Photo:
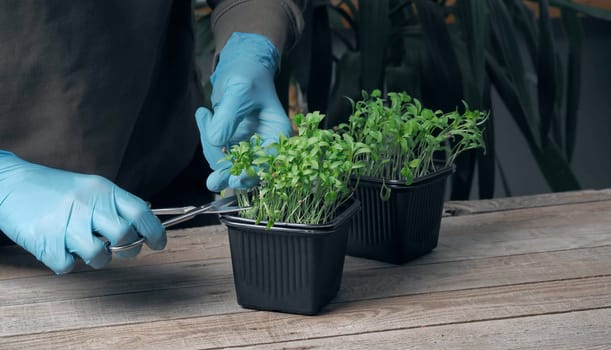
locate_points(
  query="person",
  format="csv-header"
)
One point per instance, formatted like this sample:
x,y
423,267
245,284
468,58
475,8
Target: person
x,y
99,111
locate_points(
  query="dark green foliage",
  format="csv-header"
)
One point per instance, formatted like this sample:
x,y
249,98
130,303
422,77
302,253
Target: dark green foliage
x,y
410,45
404,137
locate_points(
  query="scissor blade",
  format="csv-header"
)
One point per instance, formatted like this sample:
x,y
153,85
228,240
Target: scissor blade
x,y
217,207
184,214
222,206
186,217
219,203
172,211
226,210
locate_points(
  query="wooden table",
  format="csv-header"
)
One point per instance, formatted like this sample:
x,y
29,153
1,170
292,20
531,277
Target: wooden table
x,y
530,272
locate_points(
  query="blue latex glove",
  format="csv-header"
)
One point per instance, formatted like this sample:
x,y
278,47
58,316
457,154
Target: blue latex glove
x,y
245,102
52,214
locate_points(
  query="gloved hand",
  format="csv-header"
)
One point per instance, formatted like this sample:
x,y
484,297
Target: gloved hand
x,y
53,214
245,102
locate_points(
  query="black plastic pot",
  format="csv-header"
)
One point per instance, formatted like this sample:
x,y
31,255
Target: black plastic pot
x,y
405,226
293,268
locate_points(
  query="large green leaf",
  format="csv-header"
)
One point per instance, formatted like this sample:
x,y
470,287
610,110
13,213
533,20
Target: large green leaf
x,y
407,75
509,69
525,22
321,62
553,165
403,78
504,181
444,90
511,98
465,163
374,30
486,158
574,31
546,72
204,53
347,85
557,121
398,23
508,76
473,20
556,169
299,61
463,176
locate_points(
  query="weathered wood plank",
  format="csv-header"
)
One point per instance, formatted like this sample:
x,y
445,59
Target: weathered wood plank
x,y
417,311
147,294
464,237
202,243
523,231
373,282
456,208
491,267
575,330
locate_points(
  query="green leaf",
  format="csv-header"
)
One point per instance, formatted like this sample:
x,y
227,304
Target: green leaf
x,y
513,74
546,72
405,77
445,73
321,62
331,196
503,177
347,85
486,158
473,20
463,177
525,22
556,170
300,58
510,96
374,29
574,31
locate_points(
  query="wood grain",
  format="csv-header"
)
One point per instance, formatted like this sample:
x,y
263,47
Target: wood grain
x,y
417,311
502,276
457,208
193,244
50,306
575,330
357,283
518,231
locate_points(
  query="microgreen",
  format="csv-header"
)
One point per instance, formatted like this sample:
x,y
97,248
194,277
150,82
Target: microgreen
x,y
404,137
304,178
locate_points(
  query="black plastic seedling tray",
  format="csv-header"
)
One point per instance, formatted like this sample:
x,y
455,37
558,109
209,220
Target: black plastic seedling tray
x,y
292,268
405,226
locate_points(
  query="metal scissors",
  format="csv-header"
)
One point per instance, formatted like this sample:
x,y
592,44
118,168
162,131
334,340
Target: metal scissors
x,y
220,206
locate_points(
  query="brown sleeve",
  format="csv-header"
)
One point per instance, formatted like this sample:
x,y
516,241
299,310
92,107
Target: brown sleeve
x,y
281,21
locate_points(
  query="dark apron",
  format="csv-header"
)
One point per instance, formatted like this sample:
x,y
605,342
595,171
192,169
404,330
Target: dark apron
x,y
103,87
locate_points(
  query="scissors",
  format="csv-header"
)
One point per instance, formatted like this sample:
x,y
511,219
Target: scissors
x,y
221,206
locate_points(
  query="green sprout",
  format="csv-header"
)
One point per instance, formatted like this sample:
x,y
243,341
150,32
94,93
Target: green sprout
x,y
303,179
404,137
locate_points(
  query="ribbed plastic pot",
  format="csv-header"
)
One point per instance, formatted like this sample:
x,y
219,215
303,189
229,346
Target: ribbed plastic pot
x,y
402,228
293,268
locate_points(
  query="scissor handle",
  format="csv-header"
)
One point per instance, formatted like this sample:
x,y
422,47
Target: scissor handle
x,y
194,211
184,214
120,248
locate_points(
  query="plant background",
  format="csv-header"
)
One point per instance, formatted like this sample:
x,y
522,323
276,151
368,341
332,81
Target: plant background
x,y
442,52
